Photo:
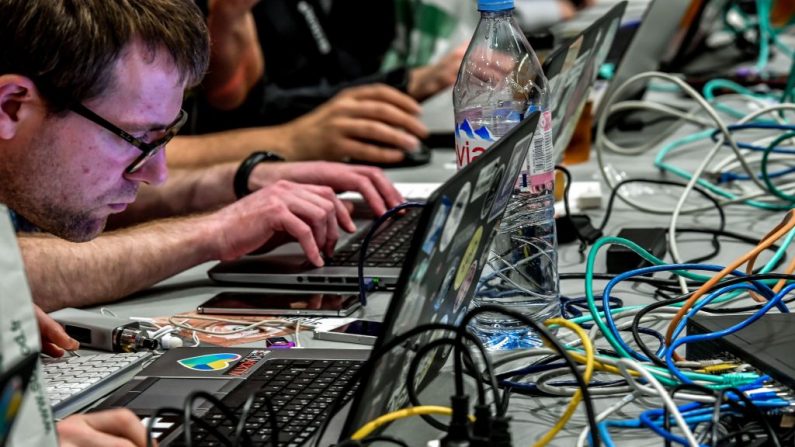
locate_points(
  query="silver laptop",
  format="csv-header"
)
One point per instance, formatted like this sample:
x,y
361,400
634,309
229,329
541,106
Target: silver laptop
x,y
437,282
571,69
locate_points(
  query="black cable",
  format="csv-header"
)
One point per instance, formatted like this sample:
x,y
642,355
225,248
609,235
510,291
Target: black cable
x,y
545,334
177,412
382,438
740,237
188,417
566,188
414,365
757,414
244,414
674,390
651,307
366,243
369,365
614,193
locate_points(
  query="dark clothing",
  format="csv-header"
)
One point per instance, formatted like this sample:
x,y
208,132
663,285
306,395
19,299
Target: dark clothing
x,y
310,55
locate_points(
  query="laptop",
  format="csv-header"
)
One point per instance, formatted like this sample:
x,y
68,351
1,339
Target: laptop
x,y
651,42
571,72
437,282
13,384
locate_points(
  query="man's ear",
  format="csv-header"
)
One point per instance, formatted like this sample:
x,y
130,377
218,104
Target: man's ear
x,y
18,95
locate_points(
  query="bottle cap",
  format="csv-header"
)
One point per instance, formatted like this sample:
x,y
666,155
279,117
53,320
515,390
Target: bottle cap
x,y
495,5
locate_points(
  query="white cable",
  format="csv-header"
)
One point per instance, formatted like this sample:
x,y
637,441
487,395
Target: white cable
x,y
604,415
624,365
672,244
247,325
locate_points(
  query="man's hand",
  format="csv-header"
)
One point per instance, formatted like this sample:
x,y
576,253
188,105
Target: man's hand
x,y
116,428
282,211
54,339
374,123
370,182
429,80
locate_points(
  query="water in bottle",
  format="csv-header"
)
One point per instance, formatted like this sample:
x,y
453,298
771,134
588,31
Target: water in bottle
x,y
499,84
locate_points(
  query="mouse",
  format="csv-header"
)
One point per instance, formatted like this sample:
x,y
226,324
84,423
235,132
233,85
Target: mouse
x,y
417,158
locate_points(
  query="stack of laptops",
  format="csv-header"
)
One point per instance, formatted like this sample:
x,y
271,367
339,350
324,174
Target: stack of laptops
x,y
571,69
446,254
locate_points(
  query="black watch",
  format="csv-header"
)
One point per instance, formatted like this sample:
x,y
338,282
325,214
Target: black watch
x,y
244,171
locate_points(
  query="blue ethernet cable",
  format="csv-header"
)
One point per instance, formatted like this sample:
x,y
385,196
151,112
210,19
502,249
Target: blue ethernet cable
x,y
756,126
723,332
652,269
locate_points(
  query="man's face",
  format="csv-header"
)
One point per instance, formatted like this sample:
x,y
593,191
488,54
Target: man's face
x,y
71,174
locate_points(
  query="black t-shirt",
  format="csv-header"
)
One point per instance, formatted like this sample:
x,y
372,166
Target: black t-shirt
x,y
311,52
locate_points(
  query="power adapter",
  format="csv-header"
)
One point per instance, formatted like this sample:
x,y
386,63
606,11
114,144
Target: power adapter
x,y
621,259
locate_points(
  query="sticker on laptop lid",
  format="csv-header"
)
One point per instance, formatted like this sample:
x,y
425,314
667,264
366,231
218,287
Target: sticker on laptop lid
x,y
247,364
210,362
456,215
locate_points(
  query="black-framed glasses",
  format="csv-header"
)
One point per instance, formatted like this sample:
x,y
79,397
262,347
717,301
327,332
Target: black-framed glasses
x,y
148,149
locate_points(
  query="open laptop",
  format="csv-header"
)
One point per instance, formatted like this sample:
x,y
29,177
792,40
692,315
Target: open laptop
x,y
13,385
445,259
571,70
571,74
652,42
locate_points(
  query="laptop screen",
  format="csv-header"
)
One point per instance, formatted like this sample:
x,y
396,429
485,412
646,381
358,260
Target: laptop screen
x,y
649,44
571,70
445,260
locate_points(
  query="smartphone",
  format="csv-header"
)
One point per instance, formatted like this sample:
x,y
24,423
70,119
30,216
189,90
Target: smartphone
x,y
363,332
281,304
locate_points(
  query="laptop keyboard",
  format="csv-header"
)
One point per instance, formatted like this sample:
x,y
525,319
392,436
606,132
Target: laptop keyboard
x,y
301,391
74,382
387,248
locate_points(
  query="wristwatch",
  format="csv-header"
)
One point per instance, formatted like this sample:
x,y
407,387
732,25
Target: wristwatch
x,y
243,173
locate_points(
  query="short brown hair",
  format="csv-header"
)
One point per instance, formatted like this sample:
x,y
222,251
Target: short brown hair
x,y
68,47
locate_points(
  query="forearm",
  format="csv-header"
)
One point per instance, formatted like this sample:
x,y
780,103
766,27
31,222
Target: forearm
x,y
236,61
187,191
114,265
192,151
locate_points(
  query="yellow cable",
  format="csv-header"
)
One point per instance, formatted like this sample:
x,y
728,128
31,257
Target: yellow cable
x,y
371,426
589,367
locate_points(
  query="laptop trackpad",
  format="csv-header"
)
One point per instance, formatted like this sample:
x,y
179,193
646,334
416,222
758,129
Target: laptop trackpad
x,y
174,390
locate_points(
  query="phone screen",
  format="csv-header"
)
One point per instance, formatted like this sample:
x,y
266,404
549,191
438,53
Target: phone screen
x,y
360,327
280,301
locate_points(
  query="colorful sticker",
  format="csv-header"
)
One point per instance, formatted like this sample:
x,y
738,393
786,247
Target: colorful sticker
x,y
436,225
249,362
469,258
464,290
444,289
485,176
456,214
210,362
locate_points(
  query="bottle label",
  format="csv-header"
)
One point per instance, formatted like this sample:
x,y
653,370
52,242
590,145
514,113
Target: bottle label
x,y
470,143
540,164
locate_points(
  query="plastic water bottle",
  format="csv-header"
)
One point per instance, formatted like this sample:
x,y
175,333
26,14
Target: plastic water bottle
x,y
499,84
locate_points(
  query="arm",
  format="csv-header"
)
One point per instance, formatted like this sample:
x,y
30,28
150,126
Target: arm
x,y
236,61
67,274
294,202
371,122
187,191
118,427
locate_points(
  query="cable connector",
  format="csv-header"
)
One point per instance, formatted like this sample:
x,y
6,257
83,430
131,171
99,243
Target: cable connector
x,y
481,429
501,432
458,433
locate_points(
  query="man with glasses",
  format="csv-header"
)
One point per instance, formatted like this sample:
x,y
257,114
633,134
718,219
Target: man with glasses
x,y
90,93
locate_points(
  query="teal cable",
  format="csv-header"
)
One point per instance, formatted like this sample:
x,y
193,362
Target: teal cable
x,y
766,175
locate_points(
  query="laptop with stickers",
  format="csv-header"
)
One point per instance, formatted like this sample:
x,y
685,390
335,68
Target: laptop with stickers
x,y
571,70
445,257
